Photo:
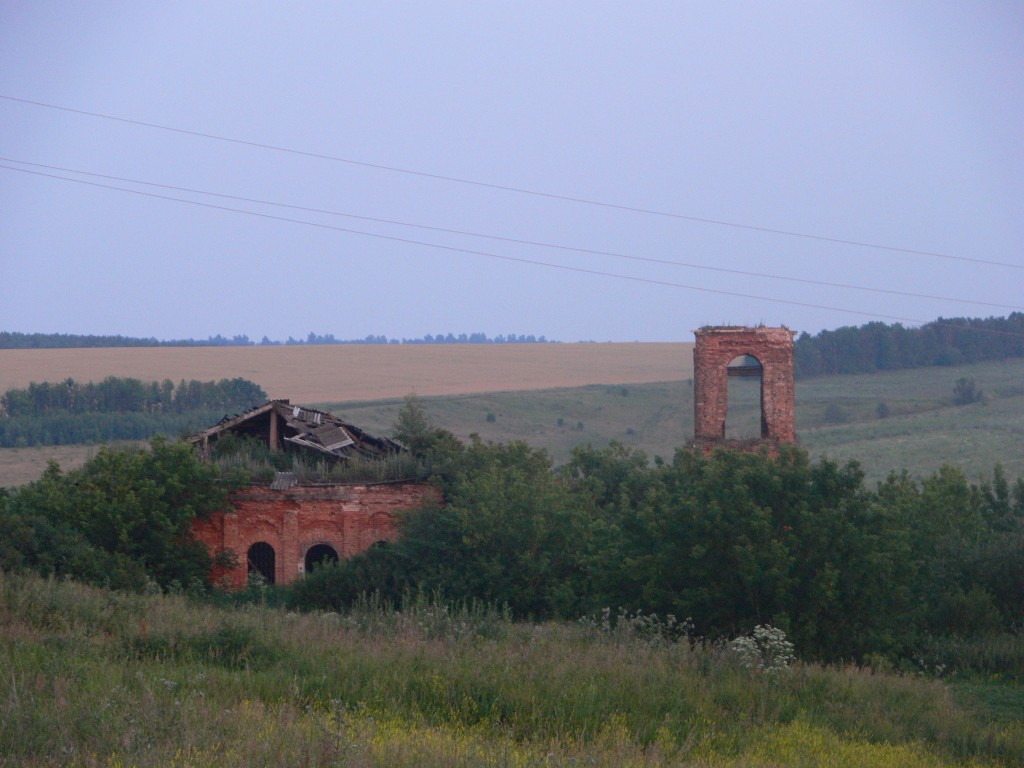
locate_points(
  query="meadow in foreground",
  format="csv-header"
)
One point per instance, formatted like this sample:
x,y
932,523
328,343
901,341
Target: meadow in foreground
x,y
94,677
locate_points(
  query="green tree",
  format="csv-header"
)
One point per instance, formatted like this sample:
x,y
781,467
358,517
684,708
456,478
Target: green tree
x,y
436,447
123,518
510,532
412,427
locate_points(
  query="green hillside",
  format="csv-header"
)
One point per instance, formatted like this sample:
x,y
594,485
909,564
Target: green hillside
x,y
838,416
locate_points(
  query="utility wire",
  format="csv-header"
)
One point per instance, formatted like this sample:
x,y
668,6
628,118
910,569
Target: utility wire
x,y
517,190
472,252
518,241
516,259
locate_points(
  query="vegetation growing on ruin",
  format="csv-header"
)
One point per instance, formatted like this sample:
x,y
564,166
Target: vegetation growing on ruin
x,y
248,456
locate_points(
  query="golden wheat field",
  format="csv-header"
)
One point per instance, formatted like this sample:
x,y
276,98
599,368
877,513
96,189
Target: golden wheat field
x,y
334,373
339,373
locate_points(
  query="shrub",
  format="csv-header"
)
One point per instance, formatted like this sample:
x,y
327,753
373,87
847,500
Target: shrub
x,y
966,391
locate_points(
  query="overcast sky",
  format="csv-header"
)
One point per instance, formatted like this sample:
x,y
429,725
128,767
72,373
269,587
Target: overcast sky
x,y
887,123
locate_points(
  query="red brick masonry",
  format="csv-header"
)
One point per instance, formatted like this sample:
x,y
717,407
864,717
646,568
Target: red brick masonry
x,y
716,347
347,518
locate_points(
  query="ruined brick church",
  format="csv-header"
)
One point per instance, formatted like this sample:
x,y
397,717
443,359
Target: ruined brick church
x,y
280,531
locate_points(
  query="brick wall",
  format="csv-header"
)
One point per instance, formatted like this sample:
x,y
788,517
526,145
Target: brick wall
x,y
714,350
347,518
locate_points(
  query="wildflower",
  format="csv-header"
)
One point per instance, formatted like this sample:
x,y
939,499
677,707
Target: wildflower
x,y
766,649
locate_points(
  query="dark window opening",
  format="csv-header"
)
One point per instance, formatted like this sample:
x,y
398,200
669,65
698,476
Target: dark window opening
x,y
262,561
320,554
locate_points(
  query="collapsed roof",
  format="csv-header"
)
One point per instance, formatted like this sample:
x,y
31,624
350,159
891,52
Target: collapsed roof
x,y
280,425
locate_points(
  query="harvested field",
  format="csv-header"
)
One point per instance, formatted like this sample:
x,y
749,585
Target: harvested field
x,y
320,374
24,465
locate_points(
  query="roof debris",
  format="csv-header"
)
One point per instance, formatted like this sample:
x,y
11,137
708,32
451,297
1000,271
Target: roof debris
x,y
279,424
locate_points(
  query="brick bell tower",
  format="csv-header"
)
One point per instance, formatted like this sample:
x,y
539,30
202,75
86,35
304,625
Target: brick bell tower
x,y
772,349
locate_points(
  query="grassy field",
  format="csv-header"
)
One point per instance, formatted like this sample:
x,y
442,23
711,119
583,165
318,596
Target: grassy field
x,y
924,429
837,416
22,465
94,678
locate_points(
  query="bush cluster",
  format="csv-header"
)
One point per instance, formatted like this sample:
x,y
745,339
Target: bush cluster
x,y
732,539
123,520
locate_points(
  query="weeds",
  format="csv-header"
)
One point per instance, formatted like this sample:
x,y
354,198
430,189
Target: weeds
x,y
89,677
624,626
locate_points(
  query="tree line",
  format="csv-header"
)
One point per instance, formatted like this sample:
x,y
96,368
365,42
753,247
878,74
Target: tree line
x,y
882,347
72,412
15,340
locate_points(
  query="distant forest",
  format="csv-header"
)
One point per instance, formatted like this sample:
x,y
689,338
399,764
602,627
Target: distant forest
x,y
14,340
71,412
883,347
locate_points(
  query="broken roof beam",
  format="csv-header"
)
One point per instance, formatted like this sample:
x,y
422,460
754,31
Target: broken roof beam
x,y
274,436
226,425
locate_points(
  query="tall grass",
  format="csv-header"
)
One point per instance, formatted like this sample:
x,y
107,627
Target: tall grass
x,y
89,677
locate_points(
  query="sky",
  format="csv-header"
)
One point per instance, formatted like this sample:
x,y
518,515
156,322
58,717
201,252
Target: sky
x,y
808,164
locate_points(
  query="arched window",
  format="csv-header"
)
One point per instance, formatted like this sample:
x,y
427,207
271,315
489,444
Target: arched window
x,y
262,560
744,418
320,554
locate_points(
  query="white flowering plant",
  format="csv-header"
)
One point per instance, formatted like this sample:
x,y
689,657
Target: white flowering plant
x,y
765,649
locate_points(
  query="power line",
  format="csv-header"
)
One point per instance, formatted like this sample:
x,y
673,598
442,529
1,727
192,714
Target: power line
x,y
533,262
516,190
519,241
470,251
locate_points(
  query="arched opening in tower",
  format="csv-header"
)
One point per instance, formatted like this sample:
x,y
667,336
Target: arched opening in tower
x,y
744,418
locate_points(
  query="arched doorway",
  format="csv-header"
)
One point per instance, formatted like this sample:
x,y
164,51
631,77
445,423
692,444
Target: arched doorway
x,y
744,416
320,554
262,560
